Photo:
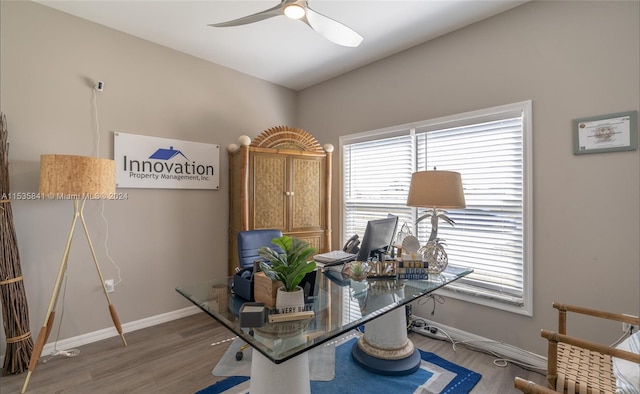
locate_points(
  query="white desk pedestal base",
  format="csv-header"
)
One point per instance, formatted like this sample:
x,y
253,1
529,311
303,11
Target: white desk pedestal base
x,y
292,376
385,348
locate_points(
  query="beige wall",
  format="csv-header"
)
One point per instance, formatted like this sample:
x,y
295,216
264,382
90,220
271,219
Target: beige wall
x,y
158,238
572,59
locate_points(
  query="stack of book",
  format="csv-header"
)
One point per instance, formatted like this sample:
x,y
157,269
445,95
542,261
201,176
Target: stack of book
x,y
412,267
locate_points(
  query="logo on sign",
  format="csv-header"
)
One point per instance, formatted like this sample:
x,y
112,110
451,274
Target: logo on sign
x,y
166,154
160,168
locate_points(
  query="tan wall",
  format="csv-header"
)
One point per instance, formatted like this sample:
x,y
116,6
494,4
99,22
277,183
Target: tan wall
x,y
573,59
158,238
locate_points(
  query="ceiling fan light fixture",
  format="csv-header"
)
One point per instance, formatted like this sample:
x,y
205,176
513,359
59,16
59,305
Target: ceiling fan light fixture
x,y
294,11
330,29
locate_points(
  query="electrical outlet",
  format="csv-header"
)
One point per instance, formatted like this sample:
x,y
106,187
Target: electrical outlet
x,y
111,287
626,326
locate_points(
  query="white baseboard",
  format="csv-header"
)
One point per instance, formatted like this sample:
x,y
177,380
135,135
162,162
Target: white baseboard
x,y
504,350
99,335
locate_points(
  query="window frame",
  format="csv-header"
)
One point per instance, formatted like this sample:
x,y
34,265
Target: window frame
x,y
523,108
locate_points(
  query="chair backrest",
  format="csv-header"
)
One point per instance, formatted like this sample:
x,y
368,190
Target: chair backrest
x,y
250,241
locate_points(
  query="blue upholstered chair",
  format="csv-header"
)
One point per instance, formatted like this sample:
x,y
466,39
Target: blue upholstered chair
x,y
250,241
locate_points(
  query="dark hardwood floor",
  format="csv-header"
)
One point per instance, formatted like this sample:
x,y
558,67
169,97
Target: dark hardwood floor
x,y
177,357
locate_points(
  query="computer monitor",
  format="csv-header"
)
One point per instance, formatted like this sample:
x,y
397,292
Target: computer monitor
x,y
377,237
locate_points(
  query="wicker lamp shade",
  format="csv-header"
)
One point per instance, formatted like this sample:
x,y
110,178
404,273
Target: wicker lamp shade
x,y
441,189
76,177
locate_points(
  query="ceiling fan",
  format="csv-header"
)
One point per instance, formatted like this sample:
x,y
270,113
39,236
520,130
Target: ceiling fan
x,y
299,10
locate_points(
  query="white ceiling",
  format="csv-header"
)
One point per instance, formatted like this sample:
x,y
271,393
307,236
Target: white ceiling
x,y
280,50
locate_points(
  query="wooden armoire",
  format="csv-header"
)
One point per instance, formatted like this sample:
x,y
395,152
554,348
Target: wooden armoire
x,y
280,180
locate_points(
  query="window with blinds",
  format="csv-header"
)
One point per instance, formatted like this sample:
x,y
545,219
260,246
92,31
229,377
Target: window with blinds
x,y
493,234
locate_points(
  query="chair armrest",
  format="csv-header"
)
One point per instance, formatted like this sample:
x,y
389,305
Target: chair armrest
x,y
596,313
529,387
555,337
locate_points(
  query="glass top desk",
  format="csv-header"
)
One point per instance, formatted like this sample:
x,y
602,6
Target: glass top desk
x,y
339,305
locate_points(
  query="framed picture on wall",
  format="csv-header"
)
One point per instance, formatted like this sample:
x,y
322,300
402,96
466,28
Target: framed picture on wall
x,y
606,133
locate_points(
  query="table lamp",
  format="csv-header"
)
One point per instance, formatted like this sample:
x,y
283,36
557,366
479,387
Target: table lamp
x,y
73,178
437,190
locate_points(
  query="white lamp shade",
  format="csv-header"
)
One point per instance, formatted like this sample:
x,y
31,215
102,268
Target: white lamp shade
x,y
436,189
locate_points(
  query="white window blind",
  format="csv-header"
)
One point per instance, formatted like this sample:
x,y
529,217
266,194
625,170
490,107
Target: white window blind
x,y
488,148
379,174
488,233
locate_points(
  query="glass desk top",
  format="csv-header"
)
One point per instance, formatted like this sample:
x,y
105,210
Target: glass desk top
x,y
338,302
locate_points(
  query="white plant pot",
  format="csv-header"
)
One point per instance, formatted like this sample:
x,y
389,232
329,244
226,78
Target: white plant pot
x,y
290,301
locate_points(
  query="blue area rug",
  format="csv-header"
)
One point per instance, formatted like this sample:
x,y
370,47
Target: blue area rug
x,y
436,375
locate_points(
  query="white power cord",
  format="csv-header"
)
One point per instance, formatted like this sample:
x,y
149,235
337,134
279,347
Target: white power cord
x,y
99,87
65,353
435,332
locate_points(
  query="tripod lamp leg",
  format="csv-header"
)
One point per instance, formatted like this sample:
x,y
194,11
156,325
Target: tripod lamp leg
x,y
43,335
112,309
37,350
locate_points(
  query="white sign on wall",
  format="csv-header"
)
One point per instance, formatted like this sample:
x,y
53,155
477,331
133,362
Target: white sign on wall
x,y
152,162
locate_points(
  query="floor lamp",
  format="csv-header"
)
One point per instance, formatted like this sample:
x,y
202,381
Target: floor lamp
x,y
75,178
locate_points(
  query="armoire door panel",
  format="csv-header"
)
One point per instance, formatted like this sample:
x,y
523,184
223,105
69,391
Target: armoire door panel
x,y
307,184
269,183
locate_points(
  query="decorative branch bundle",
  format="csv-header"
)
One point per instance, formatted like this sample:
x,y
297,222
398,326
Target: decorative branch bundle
x,y
15,311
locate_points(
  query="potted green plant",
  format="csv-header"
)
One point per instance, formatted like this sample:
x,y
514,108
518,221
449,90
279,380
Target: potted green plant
x,y
289,268
359,270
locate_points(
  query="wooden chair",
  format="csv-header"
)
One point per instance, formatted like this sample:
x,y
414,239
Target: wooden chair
x,y
529,387
576,365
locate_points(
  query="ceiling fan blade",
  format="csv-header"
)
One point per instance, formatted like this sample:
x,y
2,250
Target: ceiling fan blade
x,y
331,29
257,17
